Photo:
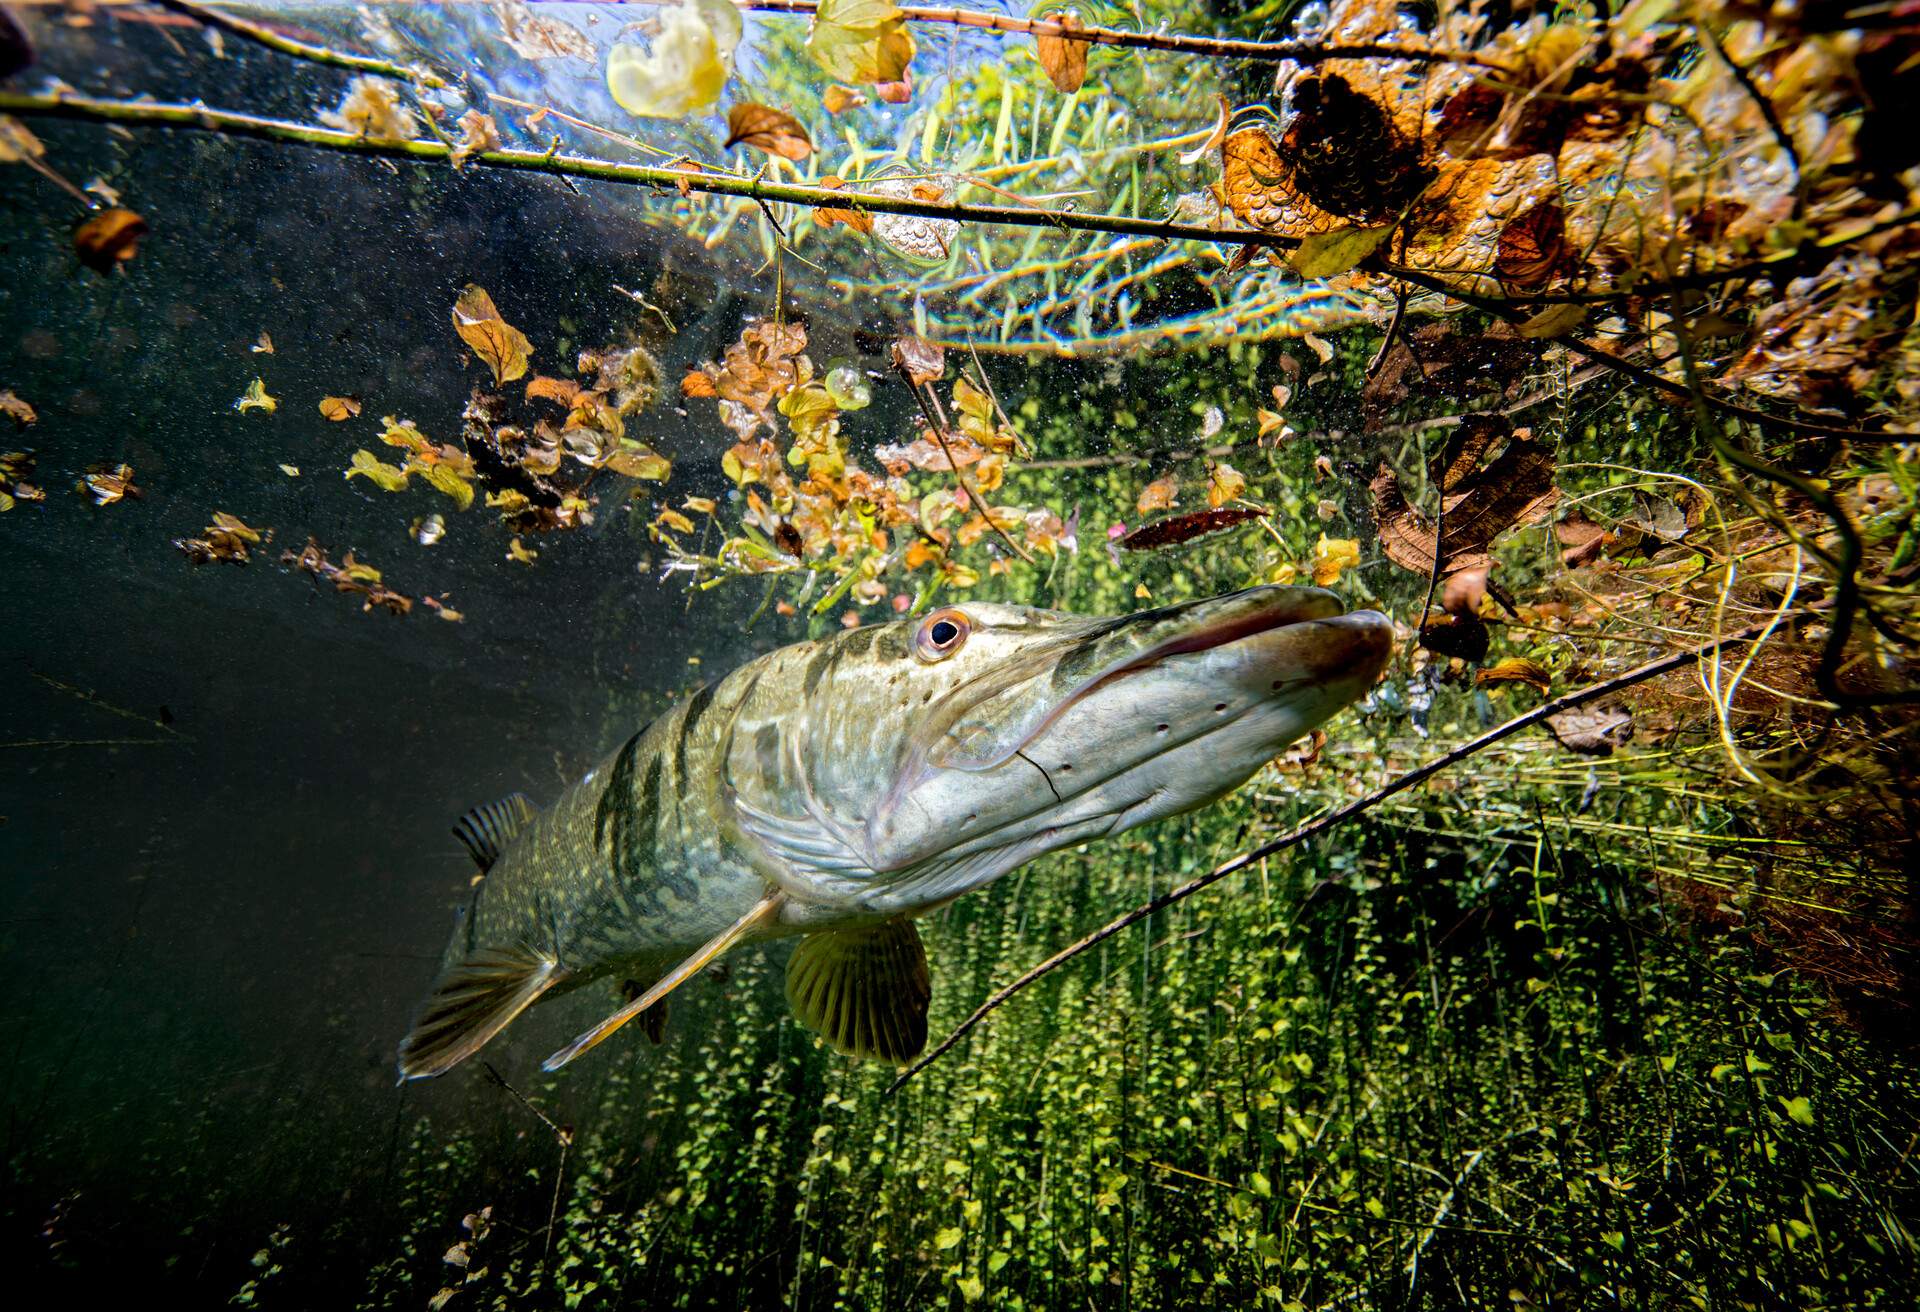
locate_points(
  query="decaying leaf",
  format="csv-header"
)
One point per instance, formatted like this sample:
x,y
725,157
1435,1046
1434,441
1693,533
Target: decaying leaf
x,y
372,109
1224,484
1581,540
502,347
14,488
1532,248
263,346
562,390
339,409
520,552
1331,557
1554,321
349,575
1592,730
632,459
16,409
108,485
109,239
686,63
837,99
1158,495
920,360
256,398
826,216
478,133
1063,57
764,128
389,478
860,41
535,36
226,539
697,382
1482,499
1176,529
1515,669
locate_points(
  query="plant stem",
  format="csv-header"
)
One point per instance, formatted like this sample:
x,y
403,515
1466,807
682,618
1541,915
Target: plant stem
x,y
232,123
1314,828
286,45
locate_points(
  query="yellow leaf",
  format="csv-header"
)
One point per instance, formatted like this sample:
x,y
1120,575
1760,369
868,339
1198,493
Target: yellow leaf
x,y
338,408
764,128
450,483
860,41
1157,495
1554,321
700,505
403,434
291,471
516,550
1330,254
1331,556
632,459
387,477
17,144
1224,484
838,98
1515,669
674,520
256,399
503,347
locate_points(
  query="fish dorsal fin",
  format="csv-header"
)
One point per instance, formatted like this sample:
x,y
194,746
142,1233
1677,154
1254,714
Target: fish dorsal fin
x,y
486,830
864,990
473,1000
763,912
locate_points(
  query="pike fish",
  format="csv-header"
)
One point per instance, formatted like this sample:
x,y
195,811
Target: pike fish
x,y
835,790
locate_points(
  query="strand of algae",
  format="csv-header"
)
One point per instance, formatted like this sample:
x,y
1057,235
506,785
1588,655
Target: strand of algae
x,y
1314,828
286,45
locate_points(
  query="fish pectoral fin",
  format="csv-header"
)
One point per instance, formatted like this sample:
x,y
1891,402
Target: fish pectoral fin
x,y
765,911
472,1001
486,830
864,990
653,1023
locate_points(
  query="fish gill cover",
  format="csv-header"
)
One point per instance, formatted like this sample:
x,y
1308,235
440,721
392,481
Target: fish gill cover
x,y
402,405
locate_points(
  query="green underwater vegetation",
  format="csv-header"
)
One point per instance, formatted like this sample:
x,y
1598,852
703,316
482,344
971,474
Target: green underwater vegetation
x,y
419,398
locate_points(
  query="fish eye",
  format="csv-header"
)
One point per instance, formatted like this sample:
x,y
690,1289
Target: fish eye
x,y
941,634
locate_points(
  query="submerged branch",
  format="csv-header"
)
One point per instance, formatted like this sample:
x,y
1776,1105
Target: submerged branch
x,y
1265,52
233,123
1315,828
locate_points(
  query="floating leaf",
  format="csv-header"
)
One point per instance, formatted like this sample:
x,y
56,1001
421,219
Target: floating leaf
x,y
860,41
1330,254
291,471
429,530
562,390
339,409
264,346
1515,669
519,551
698,382
499,344
109,239
537,37
349,575
827,215
632,459
685,65
764,128
106,486
1331,556
447,480
1224,484
16,409
226,539
367,465
837,99
256,398
1158,495
1063,57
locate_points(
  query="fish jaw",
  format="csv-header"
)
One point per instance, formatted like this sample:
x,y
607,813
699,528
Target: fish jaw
x,y
1186,719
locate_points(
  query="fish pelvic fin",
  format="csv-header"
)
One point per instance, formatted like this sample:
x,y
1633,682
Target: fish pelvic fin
x,y
486,830
473,1000
764,912
864,990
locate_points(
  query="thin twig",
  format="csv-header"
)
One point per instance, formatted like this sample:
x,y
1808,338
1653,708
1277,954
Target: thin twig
x,y
561,1133
1393,331
938,425
1314,828
286,45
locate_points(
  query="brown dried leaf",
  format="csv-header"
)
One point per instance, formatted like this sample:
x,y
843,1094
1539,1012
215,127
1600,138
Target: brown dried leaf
x,y
502,347
339,409
1482,502
1184,528
1592,731
1158,495
562,390
478,133
1532,248
825,217
698,382
921,360
837,99
109,239
16,409
1063,57
771,130
1581,540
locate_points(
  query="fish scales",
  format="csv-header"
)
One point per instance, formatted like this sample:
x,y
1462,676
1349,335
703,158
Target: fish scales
x,y
836,790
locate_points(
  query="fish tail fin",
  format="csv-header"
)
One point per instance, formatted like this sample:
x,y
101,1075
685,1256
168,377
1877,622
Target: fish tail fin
x,y
473,1000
